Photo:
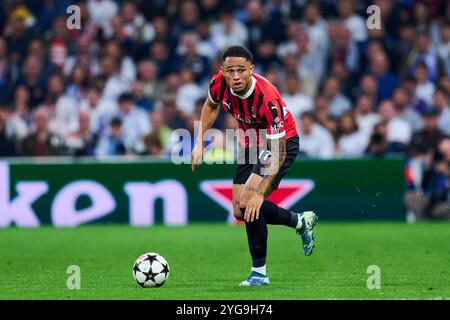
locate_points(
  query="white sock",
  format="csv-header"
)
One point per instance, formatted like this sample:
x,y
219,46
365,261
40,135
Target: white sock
x,y
261,270
299,222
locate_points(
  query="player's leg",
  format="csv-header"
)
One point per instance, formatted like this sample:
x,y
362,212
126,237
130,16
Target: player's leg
x,y
272,213
303,222
256,237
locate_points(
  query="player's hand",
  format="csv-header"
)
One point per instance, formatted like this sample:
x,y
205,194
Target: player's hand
x,y
197,155
252,209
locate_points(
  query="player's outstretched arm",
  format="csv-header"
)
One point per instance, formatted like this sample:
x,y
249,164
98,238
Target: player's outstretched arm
x,y
207,119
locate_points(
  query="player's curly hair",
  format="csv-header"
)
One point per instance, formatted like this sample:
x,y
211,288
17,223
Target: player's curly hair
x,y
237,51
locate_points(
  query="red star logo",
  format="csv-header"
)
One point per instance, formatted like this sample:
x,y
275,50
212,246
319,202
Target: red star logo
x,y
289,192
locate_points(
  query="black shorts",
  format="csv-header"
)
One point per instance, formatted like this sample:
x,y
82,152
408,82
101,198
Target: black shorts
x,y
243,171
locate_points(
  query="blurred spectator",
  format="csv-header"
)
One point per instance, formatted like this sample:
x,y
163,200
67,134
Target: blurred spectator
x,y
403,46
148,77
398,130
102,11
386,80
135,124
153,145
206,47
32,77
188,18
62,109
100,110
442,105
424,87
17,37
292,64
78,82
135,28
7,143
189,57
431,200
19,122
316,29
160,131
126,67
424,53
426,141
352,21
83,56
315,141
369,86
46,12
257,24
137,90
5,70
172,115
296,101
265,56
323,115
188,92
342,47
228,31
378,143
59,41
162,33
319,54
402,101
42,141
337,101
113,142
83,141
351,142
115,85
444,47
160,54
365,118
171,86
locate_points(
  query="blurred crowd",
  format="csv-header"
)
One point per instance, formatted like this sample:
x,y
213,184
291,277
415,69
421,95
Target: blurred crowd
x,y
137,70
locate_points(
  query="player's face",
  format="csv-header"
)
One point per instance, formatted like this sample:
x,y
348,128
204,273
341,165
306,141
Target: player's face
x,y
238,73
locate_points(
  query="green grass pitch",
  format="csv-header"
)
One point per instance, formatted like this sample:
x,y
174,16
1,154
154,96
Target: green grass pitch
x,y
208,261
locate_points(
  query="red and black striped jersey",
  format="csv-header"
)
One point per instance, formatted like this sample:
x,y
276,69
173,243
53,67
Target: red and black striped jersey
x,y
260,108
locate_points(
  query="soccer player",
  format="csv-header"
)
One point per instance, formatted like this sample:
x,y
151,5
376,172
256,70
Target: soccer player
x,y
256,104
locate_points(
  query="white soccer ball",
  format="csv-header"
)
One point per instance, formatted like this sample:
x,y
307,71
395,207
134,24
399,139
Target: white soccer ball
x,y
151,270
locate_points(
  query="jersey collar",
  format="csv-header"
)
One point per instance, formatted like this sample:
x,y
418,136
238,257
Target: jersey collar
x,y
248,93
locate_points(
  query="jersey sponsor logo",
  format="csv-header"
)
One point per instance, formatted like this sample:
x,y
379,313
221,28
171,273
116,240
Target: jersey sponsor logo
x,y
277,124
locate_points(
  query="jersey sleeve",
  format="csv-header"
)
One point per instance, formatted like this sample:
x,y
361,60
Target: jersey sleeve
x,y
214,88
273,117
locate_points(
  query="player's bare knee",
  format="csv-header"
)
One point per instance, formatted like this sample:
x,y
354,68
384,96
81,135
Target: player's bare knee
x,y
244,199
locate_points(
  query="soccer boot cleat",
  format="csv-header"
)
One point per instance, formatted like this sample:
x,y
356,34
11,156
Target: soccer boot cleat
x,y
255,279
308,219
